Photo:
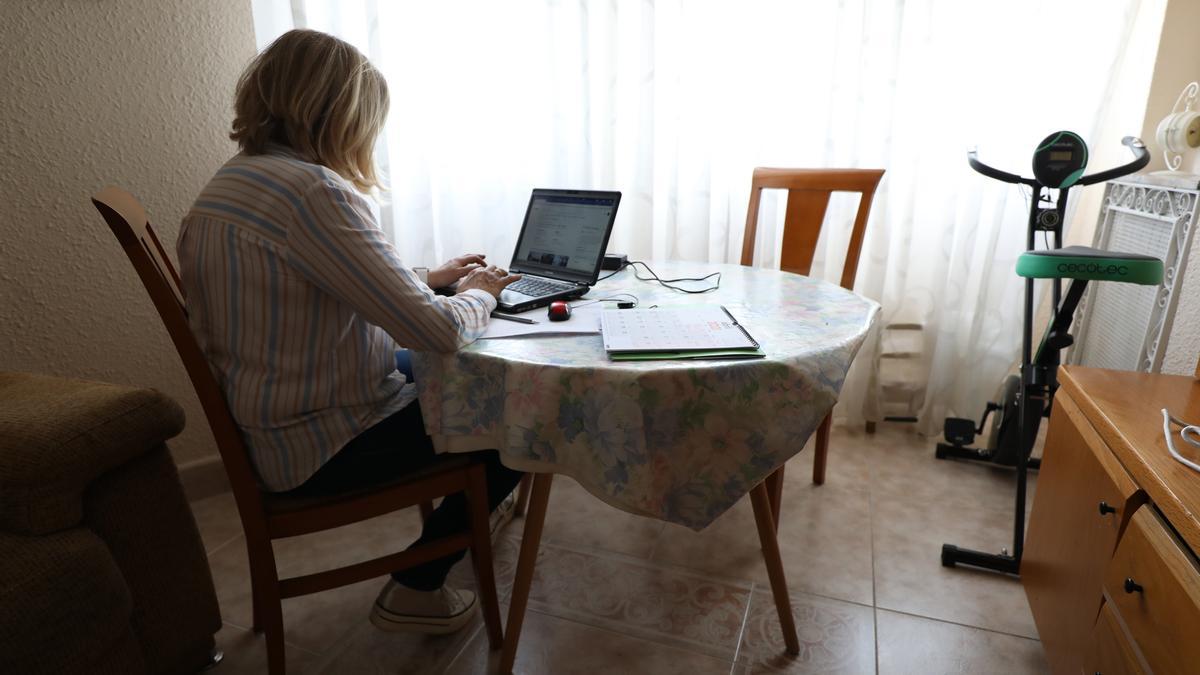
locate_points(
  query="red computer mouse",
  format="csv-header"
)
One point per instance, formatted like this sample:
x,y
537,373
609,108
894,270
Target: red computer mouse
x,y
559,311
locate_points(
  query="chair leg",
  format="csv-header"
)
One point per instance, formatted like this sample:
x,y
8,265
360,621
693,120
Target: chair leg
x,y
539,497
523,494
481,553
822,449
256,611
761,502
268,616
263,577
265,601
273,627
774,484
426,509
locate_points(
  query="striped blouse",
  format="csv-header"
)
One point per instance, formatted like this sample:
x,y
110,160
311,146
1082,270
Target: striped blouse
x,y
300,303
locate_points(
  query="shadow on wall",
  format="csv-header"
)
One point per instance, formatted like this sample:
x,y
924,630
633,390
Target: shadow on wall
x,y
132,93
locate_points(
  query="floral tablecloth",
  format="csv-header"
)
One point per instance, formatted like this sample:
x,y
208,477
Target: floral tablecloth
x,y
681,441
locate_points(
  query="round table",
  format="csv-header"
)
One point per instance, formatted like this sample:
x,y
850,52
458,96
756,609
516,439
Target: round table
x,y
680,441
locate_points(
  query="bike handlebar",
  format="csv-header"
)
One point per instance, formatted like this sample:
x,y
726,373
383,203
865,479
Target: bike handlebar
x,y
1141,157
1003,176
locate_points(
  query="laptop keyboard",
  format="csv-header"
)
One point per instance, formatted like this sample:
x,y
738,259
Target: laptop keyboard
x,y
537,287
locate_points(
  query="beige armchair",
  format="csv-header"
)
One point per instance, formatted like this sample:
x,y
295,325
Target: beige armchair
x,y
101,566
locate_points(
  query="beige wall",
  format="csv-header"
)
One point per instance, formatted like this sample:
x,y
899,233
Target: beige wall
x,y
1178,63
128,92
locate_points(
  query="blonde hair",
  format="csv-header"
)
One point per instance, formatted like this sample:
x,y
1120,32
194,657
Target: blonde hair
x,y
318,96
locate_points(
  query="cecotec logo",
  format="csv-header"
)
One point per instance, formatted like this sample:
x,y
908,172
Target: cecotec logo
x,y
1093,268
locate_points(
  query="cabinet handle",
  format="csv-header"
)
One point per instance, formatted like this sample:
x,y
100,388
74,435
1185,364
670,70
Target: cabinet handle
x,y
1132,586
1105,509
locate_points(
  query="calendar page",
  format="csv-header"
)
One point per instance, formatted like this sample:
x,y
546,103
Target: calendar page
x,y
699,327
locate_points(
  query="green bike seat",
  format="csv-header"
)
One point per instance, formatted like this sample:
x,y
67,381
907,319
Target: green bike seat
x,y
1091,264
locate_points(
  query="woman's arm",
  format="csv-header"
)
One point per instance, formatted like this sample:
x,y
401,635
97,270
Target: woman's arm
x,y
338,246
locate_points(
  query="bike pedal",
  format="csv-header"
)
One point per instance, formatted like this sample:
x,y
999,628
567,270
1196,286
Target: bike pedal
x,y
959,431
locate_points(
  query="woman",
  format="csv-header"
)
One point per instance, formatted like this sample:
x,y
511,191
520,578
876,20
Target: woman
x,y
300,302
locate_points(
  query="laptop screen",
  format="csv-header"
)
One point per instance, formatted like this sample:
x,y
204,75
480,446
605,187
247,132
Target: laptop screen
x,y
565,234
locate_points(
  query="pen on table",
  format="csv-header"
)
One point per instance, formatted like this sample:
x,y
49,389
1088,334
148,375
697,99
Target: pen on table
x,y
510,317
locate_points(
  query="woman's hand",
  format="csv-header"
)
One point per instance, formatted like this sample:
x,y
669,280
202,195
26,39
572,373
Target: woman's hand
x,y
454,270
491,279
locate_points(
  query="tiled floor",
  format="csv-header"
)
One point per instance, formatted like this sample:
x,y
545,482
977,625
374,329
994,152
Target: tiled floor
x,y
616,593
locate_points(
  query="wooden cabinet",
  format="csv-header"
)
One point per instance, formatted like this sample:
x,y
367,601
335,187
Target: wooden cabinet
x,y
1084,498
1109,565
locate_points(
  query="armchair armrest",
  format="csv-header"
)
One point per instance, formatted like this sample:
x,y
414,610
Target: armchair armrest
x,y
58,435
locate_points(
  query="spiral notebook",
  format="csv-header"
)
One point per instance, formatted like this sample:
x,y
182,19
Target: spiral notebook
x,y
698,332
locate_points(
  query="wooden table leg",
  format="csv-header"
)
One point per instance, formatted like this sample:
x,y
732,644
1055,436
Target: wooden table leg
x,y
774,484
536,517
822,449
523,494
761,502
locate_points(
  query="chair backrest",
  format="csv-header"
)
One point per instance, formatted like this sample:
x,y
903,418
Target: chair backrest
x,y
128,221
808,192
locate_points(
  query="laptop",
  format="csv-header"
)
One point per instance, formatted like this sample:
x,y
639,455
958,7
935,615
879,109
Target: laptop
x,y
560,248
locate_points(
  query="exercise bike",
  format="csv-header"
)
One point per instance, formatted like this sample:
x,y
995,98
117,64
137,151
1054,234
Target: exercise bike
x,y
1025,398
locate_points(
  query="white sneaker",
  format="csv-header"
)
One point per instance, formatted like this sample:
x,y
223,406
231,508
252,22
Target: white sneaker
x,y
402,609
503,514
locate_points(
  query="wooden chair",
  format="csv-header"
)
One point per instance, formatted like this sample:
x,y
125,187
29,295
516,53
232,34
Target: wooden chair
x,y
266,516
808,192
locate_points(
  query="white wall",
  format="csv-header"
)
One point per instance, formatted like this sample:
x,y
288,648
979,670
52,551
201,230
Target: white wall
x,y
135,93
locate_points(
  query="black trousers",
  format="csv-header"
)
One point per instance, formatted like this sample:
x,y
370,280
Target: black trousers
x,y
392,448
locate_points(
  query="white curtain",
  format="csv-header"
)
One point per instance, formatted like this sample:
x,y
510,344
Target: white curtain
x,y
674,103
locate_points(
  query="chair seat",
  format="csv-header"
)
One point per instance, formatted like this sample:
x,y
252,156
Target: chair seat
x,y
1091,264
277,503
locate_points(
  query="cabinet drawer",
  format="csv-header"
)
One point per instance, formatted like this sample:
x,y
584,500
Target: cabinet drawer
x,y
1154,585
1111,652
